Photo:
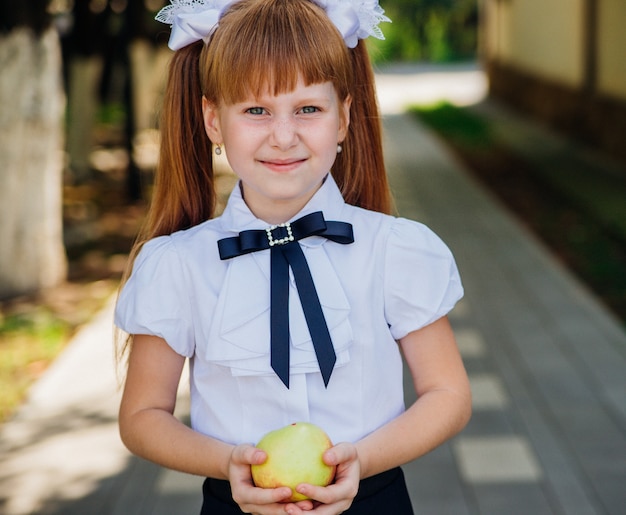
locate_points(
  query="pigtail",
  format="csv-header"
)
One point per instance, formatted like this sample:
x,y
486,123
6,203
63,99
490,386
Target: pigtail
x,y
360,169
184,190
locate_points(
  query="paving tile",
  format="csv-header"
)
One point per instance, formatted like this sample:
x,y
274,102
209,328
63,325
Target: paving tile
x,y
471,343
514,499
478,366
489,423
488,392
565,478
501,459
136,491
435,485
462,312
178,493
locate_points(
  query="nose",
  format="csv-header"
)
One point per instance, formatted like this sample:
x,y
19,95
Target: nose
x,y
284,133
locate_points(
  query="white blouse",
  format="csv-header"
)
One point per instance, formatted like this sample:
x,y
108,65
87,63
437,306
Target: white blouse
x,y
396,277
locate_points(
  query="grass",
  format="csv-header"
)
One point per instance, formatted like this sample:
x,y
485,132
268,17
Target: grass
x,y
457,125
28,343
35,329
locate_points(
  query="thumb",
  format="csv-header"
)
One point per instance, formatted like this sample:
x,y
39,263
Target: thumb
x,y
247,454
340,453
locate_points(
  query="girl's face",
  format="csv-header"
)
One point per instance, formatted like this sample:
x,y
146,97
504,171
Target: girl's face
x,y
282,146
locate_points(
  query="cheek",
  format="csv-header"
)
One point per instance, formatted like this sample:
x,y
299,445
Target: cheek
x,y
243,135
332,136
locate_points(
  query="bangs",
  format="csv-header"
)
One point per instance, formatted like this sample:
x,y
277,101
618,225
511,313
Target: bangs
x,y
265,46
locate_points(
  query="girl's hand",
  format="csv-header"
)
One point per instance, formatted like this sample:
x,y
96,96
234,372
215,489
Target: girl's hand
x,y
261,501
338,496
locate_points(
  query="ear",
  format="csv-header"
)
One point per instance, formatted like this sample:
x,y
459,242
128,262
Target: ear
x,y
344,115
211,121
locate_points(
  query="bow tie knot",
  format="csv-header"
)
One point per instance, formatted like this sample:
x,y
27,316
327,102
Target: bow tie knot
x,y
279,234
285,252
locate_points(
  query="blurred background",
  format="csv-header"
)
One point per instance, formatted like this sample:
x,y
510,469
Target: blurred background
x,y
80,85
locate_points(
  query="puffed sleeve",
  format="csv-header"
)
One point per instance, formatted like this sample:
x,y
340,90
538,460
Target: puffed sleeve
x,y
154,300
422,281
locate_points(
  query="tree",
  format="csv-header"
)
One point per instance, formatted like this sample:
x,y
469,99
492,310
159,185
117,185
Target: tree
x,y
32,254
429,30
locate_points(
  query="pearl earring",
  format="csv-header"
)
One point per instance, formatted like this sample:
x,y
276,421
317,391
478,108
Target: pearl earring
x,y
339,149
218,150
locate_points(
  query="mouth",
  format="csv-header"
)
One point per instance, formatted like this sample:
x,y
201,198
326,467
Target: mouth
x,y
282,165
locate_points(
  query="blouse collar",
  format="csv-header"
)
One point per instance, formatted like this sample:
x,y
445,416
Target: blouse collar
x,y
238,217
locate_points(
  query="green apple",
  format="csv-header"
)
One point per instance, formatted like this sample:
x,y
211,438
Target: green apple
x,y
294,456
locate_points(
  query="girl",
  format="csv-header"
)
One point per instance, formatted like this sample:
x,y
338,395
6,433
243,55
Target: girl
x,y
295,303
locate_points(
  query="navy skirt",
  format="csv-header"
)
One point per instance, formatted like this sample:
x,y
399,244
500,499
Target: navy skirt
x,y
383,493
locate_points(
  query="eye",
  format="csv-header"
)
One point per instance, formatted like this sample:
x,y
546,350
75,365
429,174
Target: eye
x,y
309,109
255,111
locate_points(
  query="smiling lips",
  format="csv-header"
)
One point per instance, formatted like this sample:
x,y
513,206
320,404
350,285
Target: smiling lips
x,y
282,165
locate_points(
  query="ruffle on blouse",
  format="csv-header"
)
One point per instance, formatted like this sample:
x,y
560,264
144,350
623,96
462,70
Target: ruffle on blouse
x,y
240,333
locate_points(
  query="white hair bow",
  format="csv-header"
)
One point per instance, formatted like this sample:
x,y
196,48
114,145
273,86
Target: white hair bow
x,y
355,19
193,20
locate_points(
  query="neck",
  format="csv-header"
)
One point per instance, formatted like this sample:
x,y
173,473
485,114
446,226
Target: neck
x,y
275,211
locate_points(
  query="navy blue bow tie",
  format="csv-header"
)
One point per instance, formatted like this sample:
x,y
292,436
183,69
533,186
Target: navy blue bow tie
x,y
285,251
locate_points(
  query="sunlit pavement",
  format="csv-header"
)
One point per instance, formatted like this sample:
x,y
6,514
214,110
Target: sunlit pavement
x,y
401,85
547,365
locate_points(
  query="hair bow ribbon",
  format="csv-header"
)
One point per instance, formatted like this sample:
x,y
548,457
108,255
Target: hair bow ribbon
x,y
193,20
355,19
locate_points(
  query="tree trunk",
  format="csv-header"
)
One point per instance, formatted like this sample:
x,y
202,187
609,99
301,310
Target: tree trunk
x,y
32,255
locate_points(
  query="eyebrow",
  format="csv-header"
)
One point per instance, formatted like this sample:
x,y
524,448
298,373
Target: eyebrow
x,y
309,100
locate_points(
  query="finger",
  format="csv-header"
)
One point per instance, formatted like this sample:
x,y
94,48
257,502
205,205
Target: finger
x,y
329,494
340,453
305,505
299,508
265,500
327,500
248,455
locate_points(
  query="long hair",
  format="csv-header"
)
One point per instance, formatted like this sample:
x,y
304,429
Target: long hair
x,y
184,190
360,170
260,46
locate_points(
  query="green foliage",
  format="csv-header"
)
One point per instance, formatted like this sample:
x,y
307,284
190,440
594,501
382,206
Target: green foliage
x,y
111,113
38,323
28,343
428,30
456,124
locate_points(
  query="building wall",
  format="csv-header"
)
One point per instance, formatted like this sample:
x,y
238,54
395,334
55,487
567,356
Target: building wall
x,y
545,37
611,60
548,38
557,61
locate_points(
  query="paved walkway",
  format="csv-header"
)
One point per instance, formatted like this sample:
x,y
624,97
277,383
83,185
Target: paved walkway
x,y
546,361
